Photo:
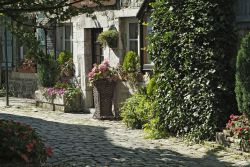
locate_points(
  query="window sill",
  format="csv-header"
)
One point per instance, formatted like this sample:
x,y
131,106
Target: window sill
x,y
148,67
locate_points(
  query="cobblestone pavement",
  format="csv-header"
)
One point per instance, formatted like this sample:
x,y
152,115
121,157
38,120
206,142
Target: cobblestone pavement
x,y
78,140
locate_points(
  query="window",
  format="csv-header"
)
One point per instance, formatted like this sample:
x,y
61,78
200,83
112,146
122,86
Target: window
x,y
68,38
146,59
133,37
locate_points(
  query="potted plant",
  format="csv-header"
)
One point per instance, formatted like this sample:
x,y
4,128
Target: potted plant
x,y
102,77
109,37
27,66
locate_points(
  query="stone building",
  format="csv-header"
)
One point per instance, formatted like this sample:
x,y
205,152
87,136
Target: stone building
x,y
83,34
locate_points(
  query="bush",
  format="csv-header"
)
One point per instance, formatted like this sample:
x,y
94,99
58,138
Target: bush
x,y
192,46
47,70
135,111
20,143
63,57
151,88
131,62
130,69
242,88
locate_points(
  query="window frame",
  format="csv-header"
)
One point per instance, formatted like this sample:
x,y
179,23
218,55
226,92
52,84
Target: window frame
x,y
145,67
133,39
70,40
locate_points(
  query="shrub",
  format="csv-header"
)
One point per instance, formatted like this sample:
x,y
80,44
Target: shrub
x,y
63,57
192,46
131,62
47,70
131,69
242,88
151,87
135,111
20,143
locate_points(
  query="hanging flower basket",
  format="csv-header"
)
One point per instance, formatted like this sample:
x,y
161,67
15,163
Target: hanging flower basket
x,y
109,37
103,91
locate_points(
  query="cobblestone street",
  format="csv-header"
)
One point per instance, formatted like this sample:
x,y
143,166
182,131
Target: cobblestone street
x,y
78,140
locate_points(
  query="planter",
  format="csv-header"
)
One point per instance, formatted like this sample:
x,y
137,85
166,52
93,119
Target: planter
x,y
103,91
59,102
30,70
112,42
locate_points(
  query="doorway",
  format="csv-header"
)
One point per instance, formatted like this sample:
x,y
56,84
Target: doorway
x,y
97,51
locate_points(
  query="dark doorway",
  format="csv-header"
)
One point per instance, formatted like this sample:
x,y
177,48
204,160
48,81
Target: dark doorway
x,y
97,52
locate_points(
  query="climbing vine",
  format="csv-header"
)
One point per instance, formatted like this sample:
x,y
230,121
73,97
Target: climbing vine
x,y
192,45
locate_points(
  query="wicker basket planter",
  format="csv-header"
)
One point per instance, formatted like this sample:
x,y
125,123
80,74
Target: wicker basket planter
x,y
103,91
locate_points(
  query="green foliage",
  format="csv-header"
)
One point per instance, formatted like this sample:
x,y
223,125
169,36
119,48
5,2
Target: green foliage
x,y
47,70
63,57
71,92
131,62
135,111
20,143
192,45
242,88
106,37
62,85
151,87
130,69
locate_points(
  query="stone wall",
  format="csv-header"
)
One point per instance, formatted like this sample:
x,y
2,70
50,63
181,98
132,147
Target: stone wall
x,y
23,84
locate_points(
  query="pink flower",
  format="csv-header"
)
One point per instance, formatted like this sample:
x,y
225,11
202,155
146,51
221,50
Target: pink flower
x,y
91,74
106,62
103,67
95,68
232,116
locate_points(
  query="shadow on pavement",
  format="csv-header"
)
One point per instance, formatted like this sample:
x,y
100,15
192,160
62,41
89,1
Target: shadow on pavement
x,y
83,145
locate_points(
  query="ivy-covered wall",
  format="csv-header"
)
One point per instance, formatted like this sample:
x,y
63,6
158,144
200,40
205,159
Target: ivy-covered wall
x,y
193,47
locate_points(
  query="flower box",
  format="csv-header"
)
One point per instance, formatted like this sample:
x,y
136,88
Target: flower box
x,y
59,102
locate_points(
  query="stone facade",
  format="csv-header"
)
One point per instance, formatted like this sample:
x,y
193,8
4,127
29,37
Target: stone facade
x,y
83,25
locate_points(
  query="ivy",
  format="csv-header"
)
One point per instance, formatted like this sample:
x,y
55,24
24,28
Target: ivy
x,y
192,45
